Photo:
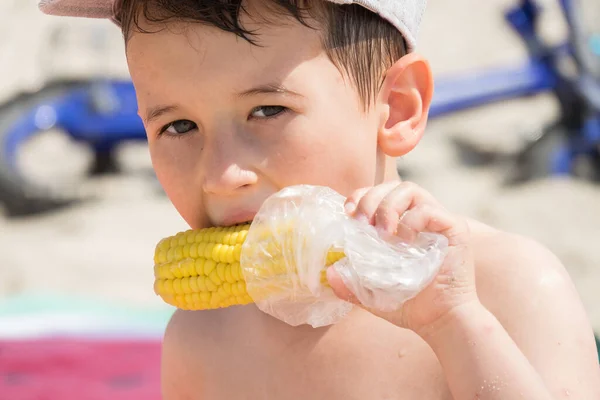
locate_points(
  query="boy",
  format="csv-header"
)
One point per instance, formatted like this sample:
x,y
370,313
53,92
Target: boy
x,y
241,99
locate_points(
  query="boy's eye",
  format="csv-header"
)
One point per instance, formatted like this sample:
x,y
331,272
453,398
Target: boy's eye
x,y
179,127
267,111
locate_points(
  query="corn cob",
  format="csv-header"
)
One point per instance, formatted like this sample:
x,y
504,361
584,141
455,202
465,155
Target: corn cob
x,y
200,269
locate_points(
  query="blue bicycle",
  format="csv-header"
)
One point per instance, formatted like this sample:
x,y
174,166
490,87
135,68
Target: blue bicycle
x,y
102,114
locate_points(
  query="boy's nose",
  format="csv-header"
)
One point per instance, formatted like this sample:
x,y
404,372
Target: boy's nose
x,y
225,164
227,180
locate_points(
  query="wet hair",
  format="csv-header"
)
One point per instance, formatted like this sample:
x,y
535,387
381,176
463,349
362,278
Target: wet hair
x,y
359,42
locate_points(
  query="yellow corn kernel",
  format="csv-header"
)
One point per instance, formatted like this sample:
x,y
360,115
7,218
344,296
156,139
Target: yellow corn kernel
x,y
199,266
175,270
237,252
193,282
241,287
178,253
227,288
216,252
177,286
208,250
210,285
185,285
190,236
161,256
228,274
165,271
214,277
188,267
168,286
242,236
194,250
200,249
215,299
333,257
158,286
205,297
221,271
171,254
209,266
236,271
229,258
201,282
163,245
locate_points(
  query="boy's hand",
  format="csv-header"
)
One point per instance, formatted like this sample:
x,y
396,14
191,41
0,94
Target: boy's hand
x,y
404,210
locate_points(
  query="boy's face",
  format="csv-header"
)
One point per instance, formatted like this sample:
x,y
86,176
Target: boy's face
x,y
240,122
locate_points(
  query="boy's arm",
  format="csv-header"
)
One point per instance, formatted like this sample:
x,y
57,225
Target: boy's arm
x,y
535,342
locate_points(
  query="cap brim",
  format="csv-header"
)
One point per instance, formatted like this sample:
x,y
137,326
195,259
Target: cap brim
x,y
78,8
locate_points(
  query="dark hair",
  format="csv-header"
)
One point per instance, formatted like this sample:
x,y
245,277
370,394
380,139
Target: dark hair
x,y
358,41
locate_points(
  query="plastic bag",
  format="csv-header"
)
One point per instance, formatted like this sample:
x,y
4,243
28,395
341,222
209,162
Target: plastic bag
x,y
284,257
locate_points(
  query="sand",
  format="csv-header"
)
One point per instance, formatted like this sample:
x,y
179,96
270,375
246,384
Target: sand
x,y
103,248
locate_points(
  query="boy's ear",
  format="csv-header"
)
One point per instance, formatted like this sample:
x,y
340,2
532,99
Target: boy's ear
x,y
405,97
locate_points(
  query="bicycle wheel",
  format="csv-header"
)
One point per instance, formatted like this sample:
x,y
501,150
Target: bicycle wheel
x,y
20,194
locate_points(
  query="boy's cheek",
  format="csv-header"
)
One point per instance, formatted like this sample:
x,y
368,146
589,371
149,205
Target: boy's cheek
x,y
338,154
182,192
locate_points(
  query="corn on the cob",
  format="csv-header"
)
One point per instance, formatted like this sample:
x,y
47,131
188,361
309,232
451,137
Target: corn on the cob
x,y
200,269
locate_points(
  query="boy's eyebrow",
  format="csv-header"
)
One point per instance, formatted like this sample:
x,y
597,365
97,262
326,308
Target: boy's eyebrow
x,y
269,88
155,112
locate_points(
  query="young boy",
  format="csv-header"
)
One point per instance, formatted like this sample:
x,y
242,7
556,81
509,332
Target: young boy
x,y
243,98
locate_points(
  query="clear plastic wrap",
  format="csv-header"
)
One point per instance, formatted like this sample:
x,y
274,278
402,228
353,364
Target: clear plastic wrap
x,y
285,253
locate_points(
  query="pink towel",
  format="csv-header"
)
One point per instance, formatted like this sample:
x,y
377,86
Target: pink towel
x,y
70,369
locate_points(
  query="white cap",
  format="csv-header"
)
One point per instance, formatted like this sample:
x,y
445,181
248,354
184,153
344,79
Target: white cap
x,y
405,15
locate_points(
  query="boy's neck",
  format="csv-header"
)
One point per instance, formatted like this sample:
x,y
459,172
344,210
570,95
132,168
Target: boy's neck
x,y
389,171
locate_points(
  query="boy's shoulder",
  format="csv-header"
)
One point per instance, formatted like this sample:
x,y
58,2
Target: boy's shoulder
x,y
511,267
530,292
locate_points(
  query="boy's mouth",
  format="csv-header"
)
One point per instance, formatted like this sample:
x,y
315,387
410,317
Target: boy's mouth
x,y
237,218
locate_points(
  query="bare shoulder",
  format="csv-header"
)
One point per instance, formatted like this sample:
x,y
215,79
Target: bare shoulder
x,y
530,292
188,335
512,268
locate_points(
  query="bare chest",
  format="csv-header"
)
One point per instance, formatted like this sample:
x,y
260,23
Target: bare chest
x,y
365,359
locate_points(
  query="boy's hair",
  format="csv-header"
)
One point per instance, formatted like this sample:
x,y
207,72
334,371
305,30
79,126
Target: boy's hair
x,y
358,41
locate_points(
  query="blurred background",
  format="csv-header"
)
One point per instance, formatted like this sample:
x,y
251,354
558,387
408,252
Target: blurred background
x,y
513,141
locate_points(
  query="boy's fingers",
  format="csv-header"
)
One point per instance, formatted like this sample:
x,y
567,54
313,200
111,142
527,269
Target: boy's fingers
x,y
343,293
395,204
339,288
352,201
370,201
427,218
405,233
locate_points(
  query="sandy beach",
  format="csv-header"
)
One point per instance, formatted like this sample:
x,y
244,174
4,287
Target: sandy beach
x,y
104,248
